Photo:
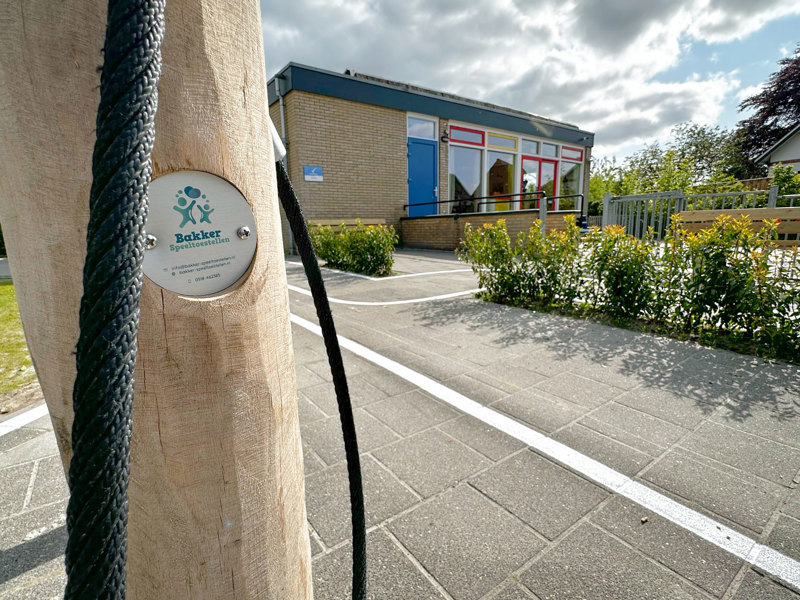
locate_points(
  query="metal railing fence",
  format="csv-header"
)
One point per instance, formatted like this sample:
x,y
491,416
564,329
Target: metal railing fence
x,y
639,212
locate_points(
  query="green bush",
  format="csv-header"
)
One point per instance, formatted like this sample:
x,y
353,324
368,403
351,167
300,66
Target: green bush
x,y
786,178
622,271
726,285
493,258
550,263
361,249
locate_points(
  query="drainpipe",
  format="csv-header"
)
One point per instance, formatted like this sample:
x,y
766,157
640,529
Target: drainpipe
x,y
285,144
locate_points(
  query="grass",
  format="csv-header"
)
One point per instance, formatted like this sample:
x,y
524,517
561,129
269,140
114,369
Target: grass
x,y
16,368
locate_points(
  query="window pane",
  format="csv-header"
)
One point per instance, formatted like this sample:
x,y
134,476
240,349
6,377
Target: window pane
x,y
460,135
465,177
420,128
500,179
571,153
503,142
530,147
549,150
570,184
548,180
530,182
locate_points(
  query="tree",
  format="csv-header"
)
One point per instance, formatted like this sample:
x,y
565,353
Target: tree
x,y
776,106
674,172
703,146
736,161
786,178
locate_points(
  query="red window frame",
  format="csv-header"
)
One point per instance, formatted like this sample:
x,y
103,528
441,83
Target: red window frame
x,y
457,128
539,160
569,149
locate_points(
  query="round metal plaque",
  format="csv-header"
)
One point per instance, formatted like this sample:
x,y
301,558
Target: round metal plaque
x,y
195,245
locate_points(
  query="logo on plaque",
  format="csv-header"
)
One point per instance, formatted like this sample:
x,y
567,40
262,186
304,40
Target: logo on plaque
x,y
202,235
186,209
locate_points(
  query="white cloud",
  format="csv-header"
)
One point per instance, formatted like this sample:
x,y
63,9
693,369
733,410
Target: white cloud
x,y
599,64
718,21
750,90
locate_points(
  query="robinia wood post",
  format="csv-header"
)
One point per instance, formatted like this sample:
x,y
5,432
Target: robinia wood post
x,y
216,492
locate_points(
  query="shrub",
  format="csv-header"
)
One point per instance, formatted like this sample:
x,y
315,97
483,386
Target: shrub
x,y
539,268
361,249
490,253
786,178
622,271
728,284
550,263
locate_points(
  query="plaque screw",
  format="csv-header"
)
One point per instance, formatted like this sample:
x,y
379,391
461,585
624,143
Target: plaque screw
x,y
150,241
243,232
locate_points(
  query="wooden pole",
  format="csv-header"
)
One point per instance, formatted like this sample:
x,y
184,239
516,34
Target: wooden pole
x,y
217,492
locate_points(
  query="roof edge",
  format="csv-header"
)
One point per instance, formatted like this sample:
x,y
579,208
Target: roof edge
x,y
763,157
434,98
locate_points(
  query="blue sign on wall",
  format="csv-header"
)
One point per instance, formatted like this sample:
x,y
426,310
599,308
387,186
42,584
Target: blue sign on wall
x,y
312,173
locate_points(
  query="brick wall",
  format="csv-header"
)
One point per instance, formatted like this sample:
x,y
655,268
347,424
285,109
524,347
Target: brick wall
x,y
442,232
361,149
275,115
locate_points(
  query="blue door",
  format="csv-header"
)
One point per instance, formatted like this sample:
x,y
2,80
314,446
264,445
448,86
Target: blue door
x,y
422,190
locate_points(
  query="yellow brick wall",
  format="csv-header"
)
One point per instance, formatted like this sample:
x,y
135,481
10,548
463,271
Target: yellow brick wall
x,y
369,180
275,115
446,232
444,166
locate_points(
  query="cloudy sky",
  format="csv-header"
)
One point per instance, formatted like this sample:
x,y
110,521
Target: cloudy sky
x,y
628,70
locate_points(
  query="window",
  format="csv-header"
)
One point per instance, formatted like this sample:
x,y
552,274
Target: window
x,y
549,150
421,128
500,180
571,153
548,178
505,142
570,184
465,177
530,182
538,175
466,136
530,147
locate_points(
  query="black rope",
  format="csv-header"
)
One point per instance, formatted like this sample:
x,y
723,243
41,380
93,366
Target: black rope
x,y
300,232
97,513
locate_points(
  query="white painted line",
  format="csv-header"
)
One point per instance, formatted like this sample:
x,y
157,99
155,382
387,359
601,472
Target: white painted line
x,y
764,557
421,274
300,290
360,276
29,416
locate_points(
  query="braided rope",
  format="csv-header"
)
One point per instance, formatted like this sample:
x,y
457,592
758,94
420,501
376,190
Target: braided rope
x,y
298,225
97,513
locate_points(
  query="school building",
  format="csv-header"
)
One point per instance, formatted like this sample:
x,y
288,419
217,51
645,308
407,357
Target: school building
x,y
427,162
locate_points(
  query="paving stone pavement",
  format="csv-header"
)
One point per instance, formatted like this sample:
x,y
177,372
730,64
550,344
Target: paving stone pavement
x,y
458,510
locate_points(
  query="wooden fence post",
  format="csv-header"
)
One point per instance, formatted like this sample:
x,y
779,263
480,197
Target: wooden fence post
x,y
217,491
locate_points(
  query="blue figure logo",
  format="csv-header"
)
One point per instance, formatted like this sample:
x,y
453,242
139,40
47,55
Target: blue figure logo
x,y
185,209
204,212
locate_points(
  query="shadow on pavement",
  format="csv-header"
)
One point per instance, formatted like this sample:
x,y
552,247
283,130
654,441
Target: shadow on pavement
x,y
708,376
28,555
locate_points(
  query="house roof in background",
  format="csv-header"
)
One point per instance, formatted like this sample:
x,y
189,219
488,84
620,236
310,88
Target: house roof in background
x,y
765,156
402,96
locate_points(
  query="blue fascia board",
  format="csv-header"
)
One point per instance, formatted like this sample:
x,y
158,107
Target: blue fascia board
x,y
327,83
